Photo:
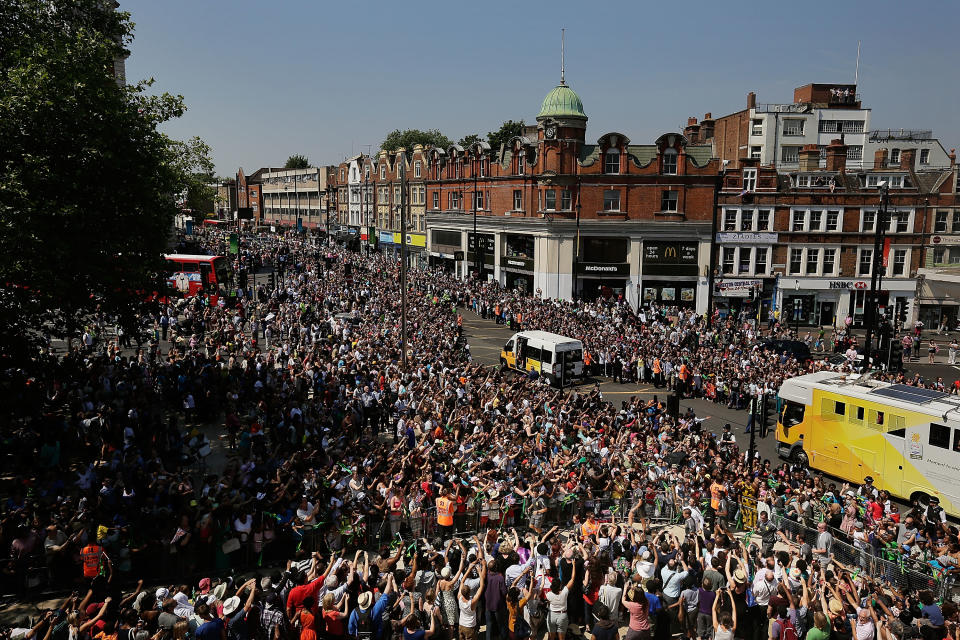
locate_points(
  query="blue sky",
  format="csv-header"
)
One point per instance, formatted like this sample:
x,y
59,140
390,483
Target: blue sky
x,y
264,80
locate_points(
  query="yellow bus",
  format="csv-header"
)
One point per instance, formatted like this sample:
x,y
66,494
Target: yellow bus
x,y
851,427
556,358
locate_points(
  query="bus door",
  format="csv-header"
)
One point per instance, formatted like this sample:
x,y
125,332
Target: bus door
x,y
521,352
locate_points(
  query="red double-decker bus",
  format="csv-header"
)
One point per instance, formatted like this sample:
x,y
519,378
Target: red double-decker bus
x,y
189,273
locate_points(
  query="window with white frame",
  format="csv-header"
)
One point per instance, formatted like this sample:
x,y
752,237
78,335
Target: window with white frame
x,y
454,199
746,220
750,179
813,259
383,172
756,128
865,261
798,220
730,219
417,169
764,220
611,161
366,171
894,156
517,199
761,264
520,161
796,260
793,126
790,154
611,200
829,261
669,200
566,200
868,221
855,152
670,162
729,259
924,156
745,259
940,221
478,196
550,200
898,266
483,167
436,199
833,220
814,220
755,152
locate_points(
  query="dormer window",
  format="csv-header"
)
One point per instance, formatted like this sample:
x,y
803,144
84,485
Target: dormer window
x,y
749,179
520,162
670,162
611,161
383,172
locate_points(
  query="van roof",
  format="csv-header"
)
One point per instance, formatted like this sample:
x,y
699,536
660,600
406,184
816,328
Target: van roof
x,y
546,336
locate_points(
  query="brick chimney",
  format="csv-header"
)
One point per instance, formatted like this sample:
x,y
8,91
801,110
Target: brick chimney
x,y
692,131
751,100
707,127
880,158
809,158
953,157
907,158
837,156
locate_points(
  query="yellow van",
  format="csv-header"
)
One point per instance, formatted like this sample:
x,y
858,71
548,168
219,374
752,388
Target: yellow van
x,y
556,358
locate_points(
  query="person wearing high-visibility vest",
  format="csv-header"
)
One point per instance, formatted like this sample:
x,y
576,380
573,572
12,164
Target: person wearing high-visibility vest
x,y
446,507
590,527
90,558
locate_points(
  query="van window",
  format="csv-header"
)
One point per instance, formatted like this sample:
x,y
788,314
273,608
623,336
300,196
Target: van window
x,y
939,436
546,356
531,353
508,347
792,414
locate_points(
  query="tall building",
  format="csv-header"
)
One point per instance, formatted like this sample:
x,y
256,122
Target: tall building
x,y
296,197
565,218
774,134
807,234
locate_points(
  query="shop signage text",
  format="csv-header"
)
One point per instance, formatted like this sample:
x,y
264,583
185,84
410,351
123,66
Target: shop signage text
x,y
604,269
747,238
847,284
516,263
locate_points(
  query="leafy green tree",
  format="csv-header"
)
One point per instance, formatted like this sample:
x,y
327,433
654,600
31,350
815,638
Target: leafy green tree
x,y
191,159
502,135
87,182
297,162
406,139
468,140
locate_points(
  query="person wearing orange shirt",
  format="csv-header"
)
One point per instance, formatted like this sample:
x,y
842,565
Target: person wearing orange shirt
x,y
446,507
590,527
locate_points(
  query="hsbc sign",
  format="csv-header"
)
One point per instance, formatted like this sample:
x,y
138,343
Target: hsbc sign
x,y
848,284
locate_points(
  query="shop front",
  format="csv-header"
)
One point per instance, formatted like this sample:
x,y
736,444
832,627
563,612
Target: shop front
x,y
602,270
487,257
744,298
516,263
840,302
940,300
670,273
445,251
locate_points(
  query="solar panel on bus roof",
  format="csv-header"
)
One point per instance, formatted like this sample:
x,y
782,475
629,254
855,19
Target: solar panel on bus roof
x,y
907,393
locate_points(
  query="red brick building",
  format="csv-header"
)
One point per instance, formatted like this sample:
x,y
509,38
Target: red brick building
x,y
565,217
809,234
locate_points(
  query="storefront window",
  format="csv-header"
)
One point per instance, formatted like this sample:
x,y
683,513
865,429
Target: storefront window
x,y
606,250
519,247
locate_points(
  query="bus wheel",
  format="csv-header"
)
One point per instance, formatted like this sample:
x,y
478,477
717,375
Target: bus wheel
x,y
800,457
921,498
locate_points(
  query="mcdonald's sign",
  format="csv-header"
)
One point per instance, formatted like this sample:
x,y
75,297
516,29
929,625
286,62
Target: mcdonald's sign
x,y
670,258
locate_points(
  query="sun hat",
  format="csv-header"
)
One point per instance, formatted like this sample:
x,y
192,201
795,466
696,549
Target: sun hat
x,y
231,605
365,600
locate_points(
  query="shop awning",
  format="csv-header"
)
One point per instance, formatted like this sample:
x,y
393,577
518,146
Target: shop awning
x,y
940,293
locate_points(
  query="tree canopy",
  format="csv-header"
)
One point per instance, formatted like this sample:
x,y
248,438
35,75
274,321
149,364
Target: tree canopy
x,y
468,140
297,161
406,139
191,159
87,182
507,130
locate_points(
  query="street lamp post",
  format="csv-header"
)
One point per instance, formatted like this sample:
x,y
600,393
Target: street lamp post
x,y
477,251
876,277
576,252
403,268
711,275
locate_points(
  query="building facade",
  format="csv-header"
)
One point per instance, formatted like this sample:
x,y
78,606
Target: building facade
x,y
563,218
774,133
296,197
808,234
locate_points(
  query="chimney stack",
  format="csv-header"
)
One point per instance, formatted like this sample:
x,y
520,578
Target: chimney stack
x,y
751,100
880,158
810,158
837,156
907,158
691,121
953,157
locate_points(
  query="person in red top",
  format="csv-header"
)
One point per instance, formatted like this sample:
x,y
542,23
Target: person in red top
x,y
308,587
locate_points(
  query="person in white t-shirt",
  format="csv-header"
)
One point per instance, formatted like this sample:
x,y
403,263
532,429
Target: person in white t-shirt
x,y
557,619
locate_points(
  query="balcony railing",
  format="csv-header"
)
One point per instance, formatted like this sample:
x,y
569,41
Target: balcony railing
x,y
900,134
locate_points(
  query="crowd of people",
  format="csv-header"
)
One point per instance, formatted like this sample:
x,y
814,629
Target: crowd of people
x,y
353,485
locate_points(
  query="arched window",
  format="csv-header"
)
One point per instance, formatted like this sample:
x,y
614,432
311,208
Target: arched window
x,y
670,162
611,161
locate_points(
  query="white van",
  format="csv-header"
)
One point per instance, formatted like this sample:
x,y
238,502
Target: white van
x,y
558,359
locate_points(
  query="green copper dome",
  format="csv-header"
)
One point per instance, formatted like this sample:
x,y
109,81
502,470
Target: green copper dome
x,y
562,102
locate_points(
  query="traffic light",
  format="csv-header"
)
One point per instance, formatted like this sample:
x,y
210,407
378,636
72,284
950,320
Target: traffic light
x,y
271,281
896,355
902,314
